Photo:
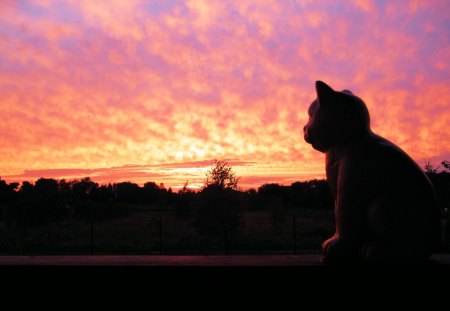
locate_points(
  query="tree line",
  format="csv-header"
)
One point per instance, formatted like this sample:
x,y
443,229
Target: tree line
x,y
214,209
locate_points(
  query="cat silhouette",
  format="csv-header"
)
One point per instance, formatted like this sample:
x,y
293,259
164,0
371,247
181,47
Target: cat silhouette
x,y
384,205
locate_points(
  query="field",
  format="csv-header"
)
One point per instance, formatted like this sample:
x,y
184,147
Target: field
x,y
144,232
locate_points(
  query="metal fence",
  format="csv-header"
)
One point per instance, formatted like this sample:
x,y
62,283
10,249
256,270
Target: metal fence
x,y
152,232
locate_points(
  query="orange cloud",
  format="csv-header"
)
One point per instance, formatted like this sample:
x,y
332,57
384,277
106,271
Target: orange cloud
x,y
365,5
87,85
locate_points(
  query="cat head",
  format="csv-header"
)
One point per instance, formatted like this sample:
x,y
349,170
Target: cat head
x,y
335,117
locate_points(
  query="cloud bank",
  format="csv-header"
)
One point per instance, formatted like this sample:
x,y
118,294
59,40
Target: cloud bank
x,y
89,85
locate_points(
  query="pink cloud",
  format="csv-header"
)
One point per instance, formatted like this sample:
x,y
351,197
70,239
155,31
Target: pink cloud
x,y
367,6
88,85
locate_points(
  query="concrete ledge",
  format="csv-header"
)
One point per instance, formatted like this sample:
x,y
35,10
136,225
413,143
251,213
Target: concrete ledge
x,y
183,261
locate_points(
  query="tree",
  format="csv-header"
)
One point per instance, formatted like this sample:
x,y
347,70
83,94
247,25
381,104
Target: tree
x,y
221,176
274,197
430,169
82,193
446,165
8,194
151,192
7,191
42,203
184,201
218,213
128,192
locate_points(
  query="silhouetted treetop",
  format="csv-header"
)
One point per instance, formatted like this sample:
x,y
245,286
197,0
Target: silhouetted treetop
x,y
222,176
446,165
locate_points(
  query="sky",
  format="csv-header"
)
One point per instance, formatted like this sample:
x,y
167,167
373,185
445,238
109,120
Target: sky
x,y
156,90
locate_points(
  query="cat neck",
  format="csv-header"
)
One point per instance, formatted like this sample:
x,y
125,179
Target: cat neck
x,y
346,145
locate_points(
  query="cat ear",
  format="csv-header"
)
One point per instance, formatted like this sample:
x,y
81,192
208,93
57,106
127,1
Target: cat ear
x,y
347,92
324,92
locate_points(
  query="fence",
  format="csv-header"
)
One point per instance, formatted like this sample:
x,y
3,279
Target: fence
x,y
153,232
163,233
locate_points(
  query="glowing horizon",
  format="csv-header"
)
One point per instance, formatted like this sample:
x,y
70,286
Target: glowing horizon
x,y
155,90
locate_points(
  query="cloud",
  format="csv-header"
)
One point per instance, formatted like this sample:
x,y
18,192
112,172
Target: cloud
x,y
367,6
90,85
251,174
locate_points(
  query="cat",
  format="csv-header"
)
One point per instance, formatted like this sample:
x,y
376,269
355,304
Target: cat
x,y
385,207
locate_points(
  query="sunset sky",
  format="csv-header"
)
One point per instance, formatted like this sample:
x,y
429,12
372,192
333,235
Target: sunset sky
x,y
156,90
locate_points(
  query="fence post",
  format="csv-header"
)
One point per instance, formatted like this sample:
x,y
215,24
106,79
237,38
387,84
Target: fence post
x,y
226,241
23,230
160,235
294,235
92,233
24,233
19,232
